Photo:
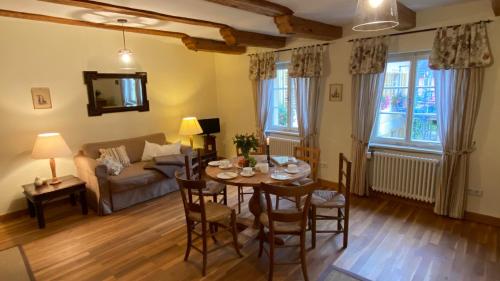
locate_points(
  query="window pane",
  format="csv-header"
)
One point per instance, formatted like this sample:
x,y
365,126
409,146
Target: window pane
x,y
424,128
293,105
397,74
424,123
280,98
391,125
394,100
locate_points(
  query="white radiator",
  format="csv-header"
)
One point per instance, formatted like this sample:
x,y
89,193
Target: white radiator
x,y
282,146
406,176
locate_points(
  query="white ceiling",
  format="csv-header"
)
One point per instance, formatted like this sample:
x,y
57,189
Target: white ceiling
x,y
337,12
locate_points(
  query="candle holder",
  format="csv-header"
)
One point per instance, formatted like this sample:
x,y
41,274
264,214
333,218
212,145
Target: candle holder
x,y
268,156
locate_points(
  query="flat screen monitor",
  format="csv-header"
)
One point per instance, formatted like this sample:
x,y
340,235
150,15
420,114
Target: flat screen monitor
x,y
209,126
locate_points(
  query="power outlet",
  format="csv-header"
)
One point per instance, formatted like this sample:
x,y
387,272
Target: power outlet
x,y
323,165
475,192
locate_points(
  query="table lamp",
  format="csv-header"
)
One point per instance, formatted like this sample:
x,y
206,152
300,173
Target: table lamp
x,y
49,146
190,127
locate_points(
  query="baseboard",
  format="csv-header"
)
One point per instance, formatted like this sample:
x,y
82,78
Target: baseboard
x,y
480,218
327,184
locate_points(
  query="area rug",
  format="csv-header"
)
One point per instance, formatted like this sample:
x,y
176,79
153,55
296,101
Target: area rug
x,y
333,273
14,265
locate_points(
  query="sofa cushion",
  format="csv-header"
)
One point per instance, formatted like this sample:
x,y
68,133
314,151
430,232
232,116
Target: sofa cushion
x,y
134,146
134,176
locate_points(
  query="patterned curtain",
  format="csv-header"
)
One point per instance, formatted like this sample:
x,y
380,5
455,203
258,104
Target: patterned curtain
x,y
368,59
262,72
305,70
464,50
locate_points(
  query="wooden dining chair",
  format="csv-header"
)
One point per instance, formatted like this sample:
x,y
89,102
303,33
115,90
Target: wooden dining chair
x,y
241,189
284,222
208,215
311,156
339,200
194,171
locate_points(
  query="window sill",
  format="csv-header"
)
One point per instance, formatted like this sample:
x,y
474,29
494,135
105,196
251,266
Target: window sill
x,y
283,133
405,148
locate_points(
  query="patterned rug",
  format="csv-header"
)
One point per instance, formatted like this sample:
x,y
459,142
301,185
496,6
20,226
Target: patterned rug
x,y
14,265
333,273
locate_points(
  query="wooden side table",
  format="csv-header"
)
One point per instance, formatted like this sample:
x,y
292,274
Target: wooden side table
x,y
70,185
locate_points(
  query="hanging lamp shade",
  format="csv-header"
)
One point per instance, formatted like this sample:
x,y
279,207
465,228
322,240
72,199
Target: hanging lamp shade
x,y
375,15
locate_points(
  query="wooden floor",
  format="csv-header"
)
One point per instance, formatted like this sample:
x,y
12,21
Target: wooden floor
x,y
389,241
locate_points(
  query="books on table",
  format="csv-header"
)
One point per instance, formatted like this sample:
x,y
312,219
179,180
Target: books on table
x,y
283,160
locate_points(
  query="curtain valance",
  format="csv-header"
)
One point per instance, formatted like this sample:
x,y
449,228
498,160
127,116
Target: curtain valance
x,y
368,56
262,66
463,46
307,62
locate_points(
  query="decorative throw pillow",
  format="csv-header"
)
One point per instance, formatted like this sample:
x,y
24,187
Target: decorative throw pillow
x,y
119,154
114,167
152,150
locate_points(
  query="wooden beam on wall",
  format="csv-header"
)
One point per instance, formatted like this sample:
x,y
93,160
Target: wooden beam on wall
x,y
208,45
235,37
289,24
44,18
261,7
407,18
496,7
98,6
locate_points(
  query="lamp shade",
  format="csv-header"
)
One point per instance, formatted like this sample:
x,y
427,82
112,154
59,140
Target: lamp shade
x,y
375,15
50,145
190,126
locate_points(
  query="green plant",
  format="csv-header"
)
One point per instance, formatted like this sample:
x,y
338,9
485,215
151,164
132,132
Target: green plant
x,y
246,143
252,161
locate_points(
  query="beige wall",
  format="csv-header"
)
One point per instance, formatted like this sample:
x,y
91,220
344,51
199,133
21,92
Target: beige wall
x,y
234,94
34,54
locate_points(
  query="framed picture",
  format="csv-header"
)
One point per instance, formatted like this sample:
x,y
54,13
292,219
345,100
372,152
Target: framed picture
x,y
41,98
335,92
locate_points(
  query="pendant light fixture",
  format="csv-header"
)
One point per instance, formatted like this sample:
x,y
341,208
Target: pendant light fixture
x,y
124,54
375,15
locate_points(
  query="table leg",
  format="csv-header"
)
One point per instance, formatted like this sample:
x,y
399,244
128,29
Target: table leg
x,y
31,208
39,214
256,206
72,199
83,202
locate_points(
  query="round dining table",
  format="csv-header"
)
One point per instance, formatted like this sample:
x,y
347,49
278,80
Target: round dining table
x,y
256,204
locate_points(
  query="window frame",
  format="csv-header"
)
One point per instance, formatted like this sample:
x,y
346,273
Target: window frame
x,y
407,142
272,128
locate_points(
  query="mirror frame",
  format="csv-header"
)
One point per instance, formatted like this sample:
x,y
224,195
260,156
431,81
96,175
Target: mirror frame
x,y
93,110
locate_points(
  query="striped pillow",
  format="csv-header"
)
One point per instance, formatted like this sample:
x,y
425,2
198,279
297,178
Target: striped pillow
x,y
117,153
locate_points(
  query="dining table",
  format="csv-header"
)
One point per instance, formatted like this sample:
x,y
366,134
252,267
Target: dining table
x,y
256,204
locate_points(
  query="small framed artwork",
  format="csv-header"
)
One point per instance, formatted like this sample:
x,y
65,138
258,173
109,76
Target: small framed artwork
x,y
335,92
41,98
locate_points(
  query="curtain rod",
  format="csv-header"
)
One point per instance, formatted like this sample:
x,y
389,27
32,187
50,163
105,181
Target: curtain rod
x,y
416,31
289,49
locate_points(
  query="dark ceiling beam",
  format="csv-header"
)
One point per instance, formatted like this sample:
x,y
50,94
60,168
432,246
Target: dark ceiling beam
x,y
208,45
496,7
407,17
237,37
261,7
299,27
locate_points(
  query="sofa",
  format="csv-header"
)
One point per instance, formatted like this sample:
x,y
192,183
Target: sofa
x,y
107,193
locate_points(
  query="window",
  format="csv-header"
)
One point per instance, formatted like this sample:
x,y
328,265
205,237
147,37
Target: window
x,y
283,103
407,114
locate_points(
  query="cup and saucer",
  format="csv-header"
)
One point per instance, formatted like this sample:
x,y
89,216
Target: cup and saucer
x,y
247,172
292,169
225,164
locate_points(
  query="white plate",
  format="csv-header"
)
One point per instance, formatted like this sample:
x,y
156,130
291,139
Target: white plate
x,y
280,177
247,175
227,175
291,172
214,163
227,167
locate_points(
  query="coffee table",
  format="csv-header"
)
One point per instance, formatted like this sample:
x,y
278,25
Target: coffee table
x,y
36,196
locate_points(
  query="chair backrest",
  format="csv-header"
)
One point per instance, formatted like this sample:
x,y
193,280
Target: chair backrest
x,y
259,151
311,156
188,189
288,215
344,175
193,170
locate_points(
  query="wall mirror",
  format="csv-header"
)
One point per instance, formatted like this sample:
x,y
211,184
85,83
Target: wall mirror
x,y
116,92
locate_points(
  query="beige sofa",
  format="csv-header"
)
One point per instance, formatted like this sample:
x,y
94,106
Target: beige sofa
x,y
133,185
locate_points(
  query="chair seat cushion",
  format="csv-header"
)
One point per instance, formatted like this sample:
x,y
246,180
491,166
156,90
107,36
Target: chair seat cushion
x,y
328,199
213,188
134,176
288,227
214,213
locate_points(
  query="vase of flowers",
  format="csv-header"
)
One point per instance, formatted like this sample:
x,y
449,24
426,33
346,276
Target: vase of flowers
x,y
246,143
